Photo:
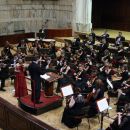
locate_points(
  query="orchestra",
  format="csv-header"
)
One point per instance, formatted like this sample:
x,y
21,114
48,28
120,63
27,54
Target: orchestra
x,y
86,65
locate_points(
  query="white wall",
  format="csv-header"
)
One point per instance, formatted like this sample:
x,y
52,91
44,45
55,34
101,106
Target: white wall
x,y
29,15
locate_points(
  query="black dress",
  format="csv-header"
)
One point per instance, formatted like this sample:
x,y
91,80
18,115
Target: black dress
x,y
69,114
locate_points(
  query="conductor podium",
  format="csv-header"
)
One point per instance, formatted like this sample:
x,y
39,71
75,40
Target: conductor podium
x,y
49,99
49,79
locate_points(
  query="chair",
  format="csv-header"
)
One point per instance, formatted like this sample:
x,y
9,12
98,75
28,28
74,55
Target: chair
x,y
90,117
86,115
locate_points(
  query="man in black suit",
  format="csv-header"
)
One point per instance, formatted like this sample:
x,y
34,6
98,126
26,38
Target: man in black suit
x,y
35,72
42,32
120,39
4,74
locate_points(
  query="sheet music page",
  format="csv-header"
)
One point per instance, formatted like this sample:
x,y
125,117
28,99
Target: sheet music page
x,y
45,76
67,90
109,83
102,104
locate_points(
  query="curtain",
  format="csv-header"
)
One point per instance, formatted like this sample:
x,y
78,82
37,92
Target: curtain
x,y
82,12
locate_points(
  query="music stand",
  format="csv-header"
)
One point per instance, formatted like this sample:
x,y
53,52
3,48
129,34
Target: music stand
x,y
109,84
67,90
102,106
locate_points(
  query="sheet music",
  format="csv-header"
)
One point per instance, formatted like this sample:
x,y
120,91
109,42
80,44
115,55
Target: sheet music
x,y
67,90
45,76
102,104
109,83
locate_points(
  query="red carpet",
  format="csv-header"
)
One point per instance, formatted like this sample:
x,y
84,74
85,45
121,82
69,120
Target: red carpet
x,y
46,100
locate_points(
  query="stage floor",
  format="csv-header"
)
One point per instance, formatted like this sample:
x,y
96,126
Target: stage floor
x,y
53,117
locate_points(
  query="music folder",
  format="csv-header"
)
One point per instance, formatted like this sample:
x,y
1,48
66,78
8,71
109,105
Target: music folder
x,y
67,90
102,105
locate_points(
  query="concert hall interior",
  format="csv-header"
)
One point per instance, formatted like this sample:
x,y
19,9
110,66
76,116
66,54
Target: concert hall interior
x,y
64,65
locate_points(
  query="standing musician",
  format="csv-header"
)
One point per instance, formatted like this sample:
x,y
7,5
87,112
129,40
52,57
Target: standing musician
x,y
4,74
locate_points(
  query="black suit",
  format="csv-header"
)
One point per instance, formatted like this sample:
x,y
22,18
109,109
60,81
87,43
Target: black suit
x,y
119,39
35,72
4,74
42,33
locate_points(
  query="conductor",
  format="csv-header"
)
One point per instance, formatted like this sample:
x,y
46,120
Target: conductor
x,y
35,72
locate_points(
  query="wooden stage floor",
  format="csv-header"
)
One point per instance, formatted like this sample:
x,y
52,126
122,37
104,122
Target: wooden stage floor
x,y
53,117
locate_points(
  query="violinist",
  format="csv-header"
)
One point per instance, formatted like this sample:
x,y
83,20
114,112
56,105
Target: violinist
x,y
66,79
122,122
80,78
105,73
74,108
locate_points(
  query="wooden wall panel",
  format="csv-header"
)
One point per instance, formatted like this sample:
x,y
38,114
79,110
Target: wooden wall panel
x,y
2,117
113,14
14,38
51,33
12,118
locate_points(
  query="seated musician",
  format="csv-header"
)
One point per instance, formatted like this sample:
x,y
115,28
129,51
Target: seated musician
x,y
80,78
120,56
81,55
73,109
67,78
91,39
105,36
96,94
119,39
105,73
22,43
6,52
122,122
52,51
92,36
68,53
124,77
76,45
104,46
